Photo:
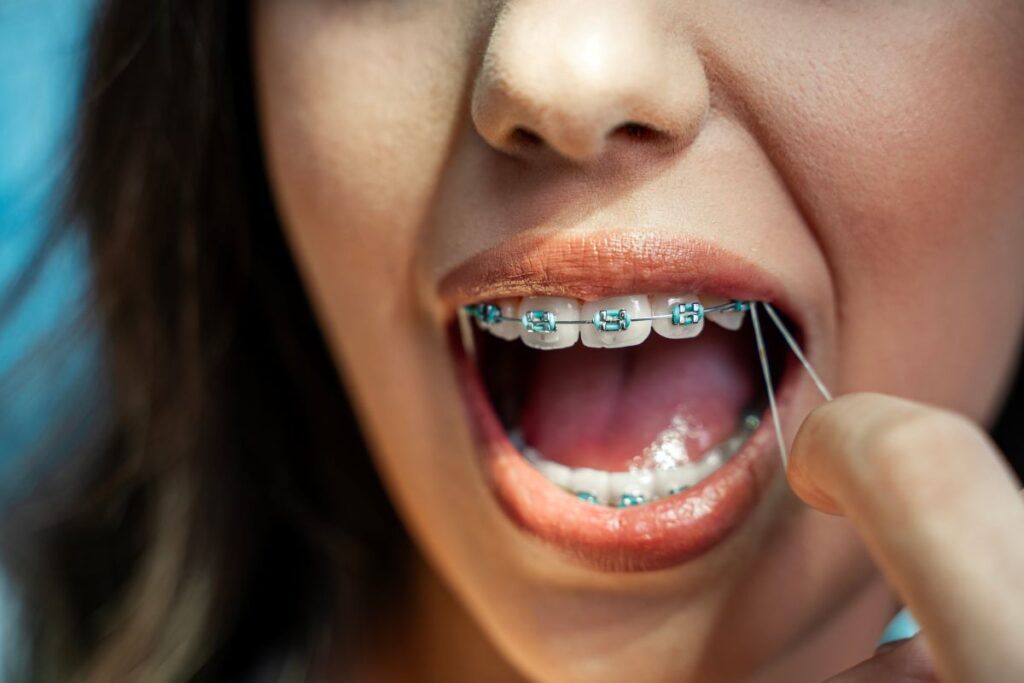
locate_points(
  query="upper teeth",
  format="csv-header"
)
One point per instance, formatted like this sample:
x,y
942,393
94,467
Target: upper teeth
x,y
551,322
540,316
730,320
612,324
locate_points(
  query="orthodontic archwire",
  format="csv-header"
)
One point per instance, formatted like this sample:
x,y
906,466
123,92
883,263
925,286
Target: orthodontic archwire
x,y
683,314
606,320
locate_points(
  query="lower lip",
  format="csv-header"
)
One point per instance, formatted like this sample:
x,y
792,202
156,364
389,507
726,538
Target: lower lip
x,y
656,535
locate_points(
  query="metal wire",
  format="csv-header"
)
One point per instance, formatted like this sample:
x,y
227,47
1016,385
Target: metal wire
x,y
720,308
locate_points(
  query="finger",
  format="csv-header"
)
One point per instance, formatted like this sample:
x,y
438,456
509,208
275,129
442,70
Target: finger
x,y
938,510
905,662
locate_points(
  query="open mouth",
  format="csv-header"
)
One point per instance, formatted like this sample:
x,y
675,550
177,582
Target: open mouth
x,y
629,430
625,403
613,407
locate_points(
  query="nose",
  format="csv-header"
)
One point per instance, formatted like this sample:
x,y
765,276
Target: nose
x,y
583,77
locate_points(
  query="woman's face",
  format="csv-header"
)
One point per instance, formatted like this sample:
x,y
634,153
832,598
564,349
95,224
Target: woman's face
x,y
858,164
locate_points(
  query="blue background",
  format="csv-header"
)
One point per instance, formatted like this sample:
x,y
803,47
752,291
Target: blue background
x,y
42,53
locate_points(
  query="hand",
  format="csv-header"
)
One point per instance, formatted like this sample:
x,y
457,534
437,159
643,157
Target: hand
x,y
940,513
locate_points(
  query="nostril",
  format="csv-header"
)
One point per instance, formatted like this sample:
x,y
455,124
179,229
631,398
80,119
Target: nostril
x,y
524,137
636,131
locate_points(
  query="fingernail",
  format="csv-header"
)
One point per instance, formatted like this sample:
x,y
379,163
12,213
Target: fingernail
x,y
890,645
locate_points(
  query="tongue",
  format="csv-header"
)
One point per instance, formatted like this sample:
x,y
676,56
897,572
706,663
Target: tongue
x,y
663,402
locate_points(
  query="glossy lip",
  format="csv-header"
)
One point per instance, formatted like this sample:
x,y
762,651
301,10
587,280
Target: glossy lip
x,y
655,535
593,266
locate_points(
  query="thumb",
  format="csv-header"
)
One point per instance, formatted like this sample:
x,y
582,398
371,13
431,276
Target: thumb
x,y
938,509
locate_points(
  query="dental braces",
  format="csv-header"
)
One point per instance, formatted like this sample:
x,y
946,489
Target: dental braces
x,y
681,314
606,320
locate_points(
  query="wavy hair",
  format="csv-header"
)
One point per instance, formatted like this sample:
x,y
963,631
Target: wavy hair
x,y
229,520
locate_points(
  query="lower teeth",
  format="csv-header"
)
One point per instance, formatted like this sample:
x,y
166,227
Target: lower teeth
x,y
640,484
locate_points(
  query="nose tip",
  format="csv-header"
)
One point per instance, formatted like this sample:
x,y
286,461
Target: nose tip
x,y
581,78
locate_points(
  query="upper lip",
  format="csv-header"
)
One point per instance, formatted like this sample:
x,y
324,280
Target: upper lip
x,y
591,266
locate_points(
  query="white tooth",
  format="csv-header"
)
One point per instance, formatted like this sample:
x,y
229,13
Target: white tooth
x,y
668,482
561,309
733,444
509,329
466,334
661,304
532,454
634,306
711,462
594,482
638,483
559,475
730,320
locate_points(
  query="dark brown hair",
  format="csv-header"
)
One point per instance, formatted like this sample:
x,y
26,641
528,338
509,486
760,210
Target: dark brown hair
x,y
230,515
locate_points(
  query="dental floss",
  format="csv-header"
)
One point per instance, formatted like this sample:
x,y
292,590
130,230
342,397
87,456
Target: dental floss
x,y
797,351
762,355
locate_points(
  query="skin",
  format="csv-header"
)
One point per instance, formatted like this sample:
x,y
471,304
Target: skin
x,y
950,546
870,155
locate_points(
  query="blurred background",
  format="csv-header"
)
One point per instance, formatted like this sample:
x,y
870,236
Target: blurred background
x,y
47,353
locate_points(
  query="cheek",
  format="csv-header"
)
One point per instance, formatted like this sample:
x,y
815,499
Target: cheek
x,y
903,140
357,102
